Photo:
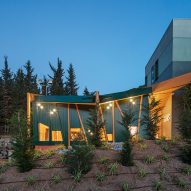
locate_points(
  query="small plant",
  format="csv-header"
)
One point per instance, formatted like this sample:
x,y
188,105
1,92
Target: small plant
x,y
186,154
31,180
37,154
165,158
165,148
3,168
187,170
113,168
140,140
163,138
143,146
173,142
125,187
56,179
158,186
104,160
157,141
49,153
142,173
181,183
49,164
77,175
149,159
100,177
162,172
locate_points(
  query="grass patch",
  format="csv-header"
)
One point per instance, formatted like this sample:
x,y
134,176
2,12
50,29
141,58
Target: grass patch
x,y
142,173
31,180
56,179
100,177
113,168
125,187
149,159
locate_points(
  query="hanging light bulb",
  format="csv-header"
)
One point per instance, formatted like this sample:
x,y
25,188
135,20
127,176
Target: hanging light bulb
x,y
51,112
108,107
91,133
41,107
133,103
88,130
54,110
131,100
38,104
110,104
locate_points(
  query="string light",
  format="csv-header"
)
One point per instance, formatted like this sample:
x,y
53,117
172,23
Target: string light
x,y
108,107
51,112
110,104
133,103
89,131
54,110
38,104
131,100
41,107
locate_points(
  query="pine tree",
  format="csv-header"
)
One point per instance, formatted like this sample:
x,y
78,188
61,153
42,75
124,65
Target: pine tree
x,y
31,85
57,87
71,85
152,117
1,106
7,95
95,126
19,90
86,92
44,86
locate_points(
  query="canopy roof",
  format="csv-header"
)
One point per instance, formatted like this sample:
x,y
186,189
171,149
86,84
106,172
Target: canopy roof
x,y
91,99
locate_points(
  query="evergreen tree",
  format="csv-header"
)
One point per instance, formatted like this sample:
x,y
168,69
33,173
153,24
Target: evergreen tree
x,y
44,86
71,85
7,95
152,117
1,106
19,90
86,92
57,87
95,126
31,85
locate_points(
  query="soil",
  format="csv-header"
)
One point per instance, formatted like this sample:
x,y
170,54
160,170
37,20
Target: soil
x,y
11,179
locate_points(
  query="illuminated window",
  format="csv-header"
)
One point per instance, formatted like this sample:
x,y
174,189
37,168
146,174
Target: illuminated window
x,y
56,136
43,131
110,137
76,134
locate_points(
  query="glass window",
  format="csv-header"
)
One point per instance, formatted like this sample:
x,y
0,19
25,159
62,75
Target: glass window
x,y
156,70
43,132
76,134
57,136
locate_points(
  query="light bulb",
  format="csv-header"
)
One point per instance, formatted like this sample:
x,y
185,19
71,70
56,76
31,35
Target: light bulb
x,y
133,103
131,100
38,104
51,112
41,107
110,104
54,110
108,107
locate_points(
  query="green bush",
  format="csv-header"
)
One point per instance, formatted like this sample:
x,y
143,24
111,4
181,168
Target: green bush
x,y
23,152
79,159
100,177
186,154
126,154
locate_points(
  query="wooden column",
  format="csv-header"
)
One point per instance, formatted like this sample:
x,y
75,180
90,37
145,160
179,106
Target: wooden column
x,y
139,119
69,134
113,121
81,123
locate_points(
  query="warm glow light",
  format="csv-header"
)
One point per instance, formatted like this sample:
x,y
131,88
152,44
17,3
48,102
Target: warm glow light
x,y
108,107
88,130
110,104
91,133
133,103
38,104
131,100
54,110
41,107
51,112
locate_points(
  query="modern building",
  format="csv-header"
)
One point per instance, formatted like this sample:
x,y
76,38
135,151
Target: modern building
x,y
172,57
62,119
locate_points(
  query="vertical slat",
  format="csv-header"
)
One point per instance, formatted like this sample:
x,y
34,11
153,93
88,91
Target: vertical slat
x,y
69,135
113,121
139,119
81,123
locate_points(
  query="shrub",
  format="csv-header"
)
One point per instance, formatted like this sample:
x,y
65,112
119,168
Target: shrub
x,y
125,187
77,175
187,170
158,186
37,154
186,154
181,183
49,153
165,158
49,164
142,173
96,127
56,179
31,180
100,177
3,167
149,159
104,160
152,117
126,153
79,159
113,167
23,152
165,148
162,172
143,146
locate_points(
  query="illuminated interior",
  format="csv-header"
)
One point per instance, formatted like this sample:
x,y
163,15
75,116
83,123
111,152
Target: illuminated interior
x,y
43,132
57,136
76,134
110,137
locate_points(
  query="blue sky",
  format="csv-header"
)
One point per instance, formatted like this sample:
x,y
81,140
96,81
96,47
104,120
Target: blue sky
x,y
109,42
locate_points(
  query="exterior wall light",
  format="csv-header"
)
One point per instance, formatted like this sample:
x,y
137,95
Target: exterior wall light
x,y
133,103
131,100
54,110
38,104
51,112
110,104
41,106
108,107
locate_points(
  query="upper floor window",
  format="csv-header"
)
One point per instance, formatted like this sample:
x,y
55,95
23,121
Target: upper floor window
x,y
154,72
